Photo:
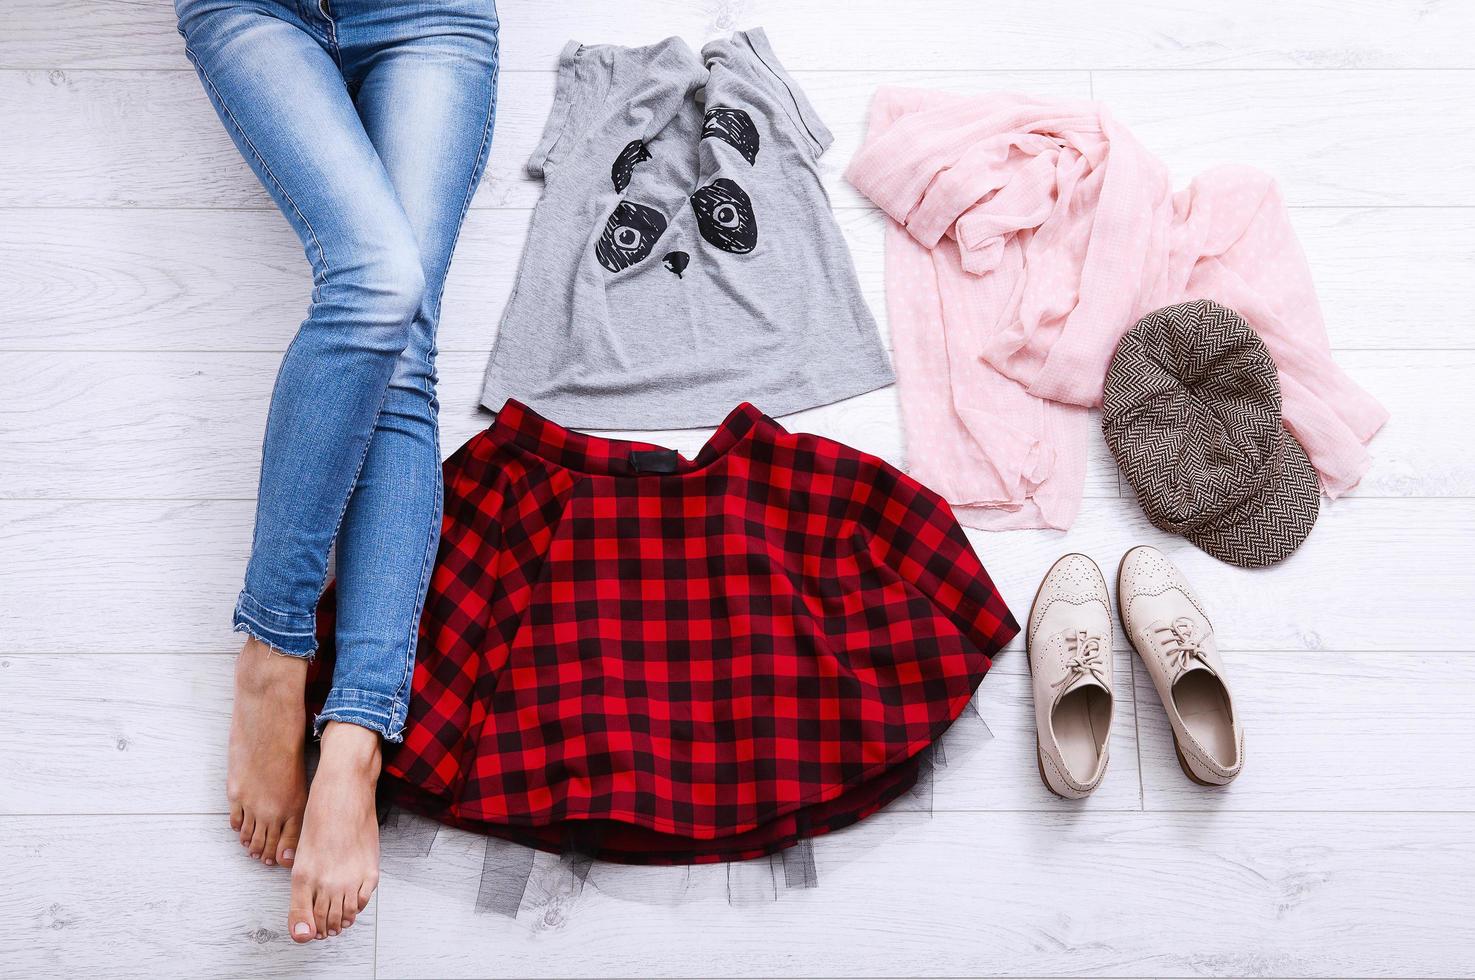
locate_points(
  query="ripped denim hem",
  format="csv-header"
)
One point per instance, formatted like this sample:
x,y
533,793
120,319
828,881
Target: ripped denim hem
x,y
293,634
367,709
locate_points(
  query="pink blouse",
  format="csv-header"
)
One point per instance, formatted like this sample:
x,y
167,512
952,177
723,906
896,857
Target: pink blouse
x,y
1026,237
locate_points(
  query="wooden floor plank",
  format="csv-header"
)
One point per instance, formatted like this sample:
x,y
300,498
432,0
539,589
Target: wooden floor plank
x,y
151,139
88,423
1338,138
1423,392
1329,138
149,287
1330,731
151,896
1008,894
145,733
943,33
133,576
200,279
1252,894
93,421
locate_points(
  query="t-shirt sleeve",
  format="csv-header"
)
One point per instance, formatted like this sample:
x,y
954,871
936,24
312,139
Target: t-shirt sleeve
x,y
786,91
560,132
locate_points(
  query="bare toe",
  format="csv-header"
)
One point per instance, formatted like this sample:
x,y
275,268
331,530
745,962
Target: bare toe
x,y
266,781
287,843
350,908
320,905
366,892
258,839
335,914
337,868
300,923
269,846
248,828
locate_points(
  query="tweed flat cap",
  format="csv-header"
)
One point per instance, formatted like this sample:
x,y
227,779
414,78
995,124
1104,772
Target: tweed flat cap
x,y
1191,411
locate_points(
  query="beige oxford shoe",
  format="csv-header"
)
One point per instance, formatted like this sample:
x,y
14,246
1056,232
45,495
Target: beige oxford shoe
x,y
1168,627
1069,649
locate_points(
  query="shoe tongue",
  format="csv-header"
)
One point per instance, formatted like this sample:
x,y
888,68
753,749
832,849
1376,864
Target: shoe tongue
x,y
1085,680
1191,664
1195,665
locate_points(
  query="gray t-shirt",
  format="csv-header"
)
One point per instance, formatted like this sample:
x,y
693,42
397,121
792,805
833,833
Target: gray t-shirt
x,y
683,258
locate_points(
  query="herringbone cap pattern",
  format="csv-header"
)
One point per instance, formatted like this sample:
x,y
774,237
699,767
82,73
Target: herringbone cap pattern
x,y
1191,410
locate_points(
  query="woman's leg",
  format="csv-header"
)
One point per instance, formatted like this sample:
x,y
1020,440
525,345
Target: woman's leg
x,y
425,88
275,80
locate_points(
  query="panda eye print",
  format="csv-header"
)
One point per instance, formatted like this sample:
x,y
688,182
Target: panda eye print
x,y
734,127
629,236
619,172
725,216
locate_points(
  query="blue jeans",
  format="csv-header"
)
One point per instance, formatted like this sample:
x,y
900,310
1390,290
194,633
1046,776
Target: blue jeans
x,y
368,122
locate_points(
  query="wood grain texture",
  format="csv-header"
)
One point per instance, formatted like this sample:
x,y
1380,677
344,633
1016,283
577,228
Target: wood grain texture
x,y
152,896
1425,393
200,279
151,139
84,737
1294,125
87,422
1014,34
1330,731
1008,894
144,576
93,420
105,734
147,288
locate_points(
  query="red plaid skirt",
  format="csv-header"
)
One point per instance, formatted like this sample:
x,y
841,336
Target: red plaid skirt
x,y
662,660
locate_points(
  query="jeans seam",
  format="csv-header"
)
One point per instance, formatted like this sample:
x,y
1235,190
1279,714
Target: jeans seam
x,y
275,612
256,154
476,171
379,720
261,635
427,562
352,486
327,713
427,566
322,259
272,629
366,709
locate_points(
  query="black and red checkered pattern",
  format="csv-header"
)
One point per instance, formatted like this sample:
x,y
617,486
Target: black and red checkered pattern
x,y
703,664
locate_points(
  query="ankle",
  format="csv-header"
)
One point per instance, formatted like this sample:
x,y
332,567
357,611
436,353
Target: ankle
x,y
261,669
351,748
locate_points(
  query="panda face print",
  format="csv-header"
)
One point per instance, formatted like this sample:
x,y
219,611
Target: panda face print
x,y
723,210
733,127
619,172
725,216
629,236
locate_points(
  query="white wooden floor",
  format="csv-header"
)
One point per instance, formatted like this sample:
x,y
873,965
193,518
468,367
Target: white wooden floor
x,y
147,290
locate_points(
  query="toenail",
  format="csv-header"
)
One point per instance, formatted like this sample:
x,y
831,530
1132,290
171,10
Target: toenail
x,y
301,929
332,932
288,854
270,861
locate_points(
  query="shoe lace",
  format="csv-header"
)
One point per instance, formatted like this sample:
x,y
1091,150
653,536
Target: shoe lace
x,y
1086,658
1181,642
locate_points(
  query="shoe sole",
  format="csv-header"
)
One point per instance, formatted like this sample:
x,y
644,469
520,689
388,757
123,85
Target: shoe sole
x,y
1122,618
1183,764
1030,667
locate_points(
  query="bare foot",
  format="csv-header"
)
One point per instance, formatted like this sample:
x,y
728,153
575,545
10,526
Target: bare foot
x,y
337,868
267,776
